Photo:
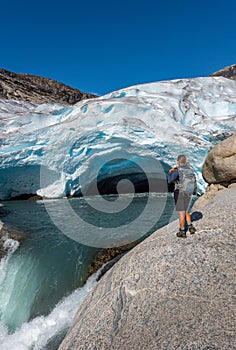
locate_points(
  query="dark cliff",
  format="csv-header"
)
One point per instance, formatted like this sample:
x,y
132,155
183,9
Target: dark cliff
x,y
227,72
37,89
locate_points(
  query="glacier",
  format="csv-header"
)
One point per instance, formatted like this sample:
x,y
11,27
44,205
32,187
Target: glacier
x,y
129,135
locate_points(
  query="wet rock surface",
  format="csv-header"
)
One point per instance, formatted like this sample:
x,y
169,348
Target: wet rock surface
x,y
8,232
107,257
167,292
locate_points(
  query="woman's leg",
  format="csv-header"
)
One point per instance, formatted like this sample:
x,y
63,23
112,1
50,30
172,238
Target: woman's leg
x,y
188,217
182,219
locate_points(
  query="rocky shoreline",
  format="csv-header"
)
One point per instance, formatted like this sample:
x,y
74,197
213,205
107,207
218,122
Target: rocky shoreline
x,y
107,257
8,232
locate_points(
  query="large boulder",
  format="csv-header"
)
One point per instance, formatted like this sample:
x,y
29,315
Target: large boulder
x,y
167,293
220,163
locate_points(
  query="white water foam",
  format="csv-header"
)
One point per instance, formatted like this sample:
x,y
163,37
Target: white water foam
x,y
10,245
34,335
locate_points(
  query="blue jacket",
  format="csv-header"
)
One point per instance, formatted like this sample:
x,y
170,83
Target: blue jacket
x,y
173,177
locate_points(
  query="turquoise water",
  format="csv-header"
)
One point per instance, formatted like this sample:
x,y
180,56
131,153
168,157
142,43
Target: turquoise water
x,y
45,268
42,280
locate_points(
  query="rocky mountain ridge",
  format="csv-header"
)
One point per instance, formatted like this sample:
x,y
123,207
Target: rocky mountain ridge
x,y
227,72
38,89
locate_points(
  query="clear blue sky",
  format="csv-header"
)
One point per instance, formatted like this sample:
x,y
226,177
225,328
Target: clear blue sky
x,y
101,46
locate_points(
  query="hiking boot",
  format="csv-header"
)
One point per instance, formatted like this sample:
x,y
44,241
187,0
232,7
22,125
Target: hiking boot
x,y
191,229
181,233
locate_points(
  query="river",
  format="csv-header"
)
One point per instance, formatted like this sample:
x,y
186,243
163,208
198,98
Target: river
x,y
42,280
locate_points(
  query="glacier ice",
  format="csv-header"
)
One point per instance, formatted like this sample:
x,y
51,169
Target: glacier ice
x,y
55,150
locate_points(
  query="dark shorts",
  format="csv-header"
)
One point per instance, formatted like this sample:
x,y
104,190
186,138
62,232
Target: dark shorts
x,y
182,201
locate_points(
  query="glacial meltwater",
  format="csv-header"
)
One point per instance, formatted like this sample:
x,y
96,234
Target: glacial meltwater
x,y
43,279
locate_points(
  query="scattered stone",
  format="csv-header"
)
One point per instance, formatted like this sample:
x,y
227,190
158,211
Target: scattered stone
x,y
205,199
26,196
215,187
